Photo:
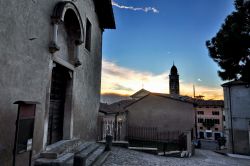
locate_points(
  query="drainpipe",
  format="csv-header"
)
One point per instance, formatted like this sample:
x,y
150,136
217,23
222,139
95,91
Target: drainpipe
x,y
115,134
231,119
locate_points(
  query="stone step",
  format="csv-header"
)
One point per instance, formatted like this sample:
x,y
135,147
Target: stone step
x,y
60,148
95,155
54,162
80,159
82,147
101,159
96,158
86,154
61,153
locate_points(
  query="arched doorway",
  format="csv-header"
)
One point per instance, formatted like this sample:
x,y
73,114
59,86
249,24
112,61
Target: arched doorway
x,y
65,45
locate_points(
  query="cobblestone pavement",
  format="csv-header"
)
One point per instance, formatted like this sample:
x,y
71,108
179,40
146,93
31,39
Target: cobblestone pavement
x,y
125,157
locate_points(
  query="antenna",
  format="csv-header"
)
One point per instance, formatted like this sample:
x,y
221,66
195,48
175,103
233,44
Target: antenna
x,y
142,85
194,90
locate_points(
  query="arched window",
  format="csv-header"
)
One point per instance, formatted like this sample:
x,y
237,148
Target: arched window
x,y
68,32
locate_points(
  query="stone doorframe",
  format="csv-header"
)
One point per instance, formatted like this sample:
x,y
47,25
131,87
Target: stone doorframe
x,y
57,19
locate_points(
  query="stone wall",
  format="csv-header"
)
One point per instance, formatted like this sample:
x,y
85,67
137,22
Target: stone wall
x,y
164,113
25,33
237,99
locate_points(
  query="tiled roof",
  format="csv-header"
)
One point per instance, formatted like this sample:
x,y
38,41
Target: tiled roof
x,y
115,107
123,104
219,103
176,97
232,83
140,93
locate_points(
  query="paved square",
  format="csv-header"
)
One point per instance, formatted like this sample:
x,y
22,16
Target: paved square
x,y
125,157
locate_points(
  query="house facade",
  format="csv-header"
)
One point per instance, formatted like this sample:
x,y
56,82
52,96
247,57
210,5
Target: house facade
x,y
51,53
209,119
237,116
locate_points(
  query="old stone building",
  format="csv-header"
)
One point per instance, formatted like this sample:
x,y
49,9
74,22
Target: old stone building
x,y
163,111
50,53
237,116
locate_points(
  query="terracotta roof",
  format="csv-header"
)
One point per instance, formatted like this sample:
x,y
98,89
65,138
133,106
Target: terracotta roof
x,y
176,97
210,103
187,99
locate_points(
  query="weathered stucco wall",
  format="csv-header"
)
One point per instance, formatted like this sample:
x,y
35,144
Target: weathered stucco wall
x,y
26,64
237,102
165,113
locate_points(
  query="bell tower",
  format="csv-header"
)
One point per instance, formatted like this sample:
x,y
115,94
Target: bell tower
x,y
174,81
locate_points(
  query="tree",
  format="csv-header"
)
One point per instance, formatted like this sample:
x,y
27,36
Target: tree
x,y
230,48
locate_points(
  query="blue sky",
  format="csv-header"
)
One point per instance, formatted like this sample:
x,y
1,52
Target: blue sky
x,y
150,41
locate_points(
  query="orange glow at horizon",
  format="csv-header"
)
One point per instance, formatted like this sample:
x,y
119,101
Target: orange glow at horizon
x,y
123,81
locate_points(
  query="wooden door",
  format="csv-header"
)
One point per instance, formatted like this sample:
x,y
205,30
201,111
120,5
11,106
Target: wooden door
x,y
57,101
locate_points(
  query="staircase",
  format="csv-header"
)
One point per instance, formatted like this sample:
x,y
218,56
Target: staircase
x,y
73,153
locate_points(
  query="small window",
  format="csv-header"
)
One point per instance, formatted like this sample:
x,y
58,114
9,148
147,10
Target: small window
x,y
224,119
216,113
216,129
88,35
200,113
200,120
216,121
201,128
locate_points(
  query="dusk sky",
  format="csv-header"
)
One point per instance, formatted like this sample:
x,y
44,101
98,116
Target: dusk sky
x,y
151,34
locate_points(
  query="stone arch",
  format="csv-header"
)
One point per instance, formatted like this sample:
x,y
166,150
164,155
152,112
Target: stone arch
x,y
66,15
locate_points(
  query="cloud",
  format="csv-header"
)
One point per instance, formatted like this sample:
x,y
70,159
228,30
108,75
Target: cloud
x,y
145,9
124,81
199,80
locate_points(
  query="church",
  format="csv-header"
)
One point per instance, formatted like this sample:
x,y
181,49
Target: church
x,y
164,112
50,57
167,112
